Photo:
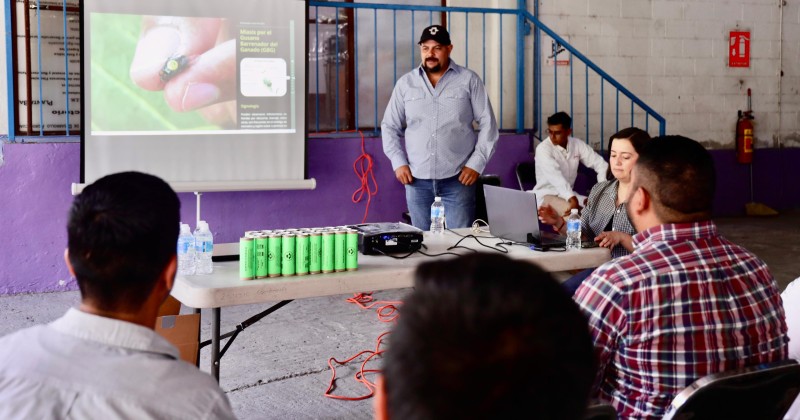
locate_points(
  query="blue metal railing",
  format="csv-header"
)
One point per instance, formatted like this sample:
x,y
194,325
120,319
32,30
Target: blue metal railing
x,y
595,79
604,78
334,95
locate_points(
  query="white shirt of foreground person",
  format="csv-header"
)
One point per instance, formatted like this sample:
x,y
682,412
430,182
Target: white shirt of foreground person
x,y
557,168
791,306
84,366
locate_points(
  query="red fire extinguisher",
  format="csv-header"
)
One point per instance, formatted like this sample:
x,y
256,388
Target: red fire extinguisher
x,y
744,134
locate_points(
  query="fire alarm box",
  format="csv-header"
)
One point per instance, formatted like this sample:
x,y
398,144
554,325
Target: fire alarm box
x,y
739,49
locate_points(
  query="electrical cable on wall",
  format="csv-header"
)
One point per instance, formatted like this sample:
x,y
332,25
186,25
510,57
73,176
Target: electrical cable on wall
x,y
362,166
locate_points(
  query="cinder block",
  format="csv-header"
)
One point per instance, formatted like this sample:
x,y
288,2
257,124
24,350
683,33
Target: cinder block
x,y
604,8
659,29
697,48
764,49
711,29
636,9
765,32
708,67
730,84
680,29
582,25
567,8
728,12
706,104
648,28
762,13
666,85
666,47
679,67
694,121
639,85
699,10
766,67
639,66
668,9
616,28
634,47
675,102
602,47
695,86
655,66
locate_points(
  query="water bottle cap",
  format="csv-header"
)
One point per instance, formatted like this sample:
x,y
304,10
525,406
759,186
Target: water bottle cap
x,y
437,199
574,211
202,225
185,228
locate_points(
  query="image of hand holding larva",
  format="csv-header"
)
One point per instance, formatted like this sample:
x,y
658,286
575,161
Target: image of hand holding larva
x,y
193,61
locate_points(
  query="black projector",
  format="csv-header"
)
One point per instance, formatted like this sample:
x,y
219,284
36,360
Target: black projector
x,y
387,238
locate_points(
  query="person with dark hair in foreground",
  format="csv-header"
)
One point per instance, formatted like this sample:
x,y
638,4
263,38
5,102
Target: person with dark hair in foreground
x,y
103,360
483,336
687,302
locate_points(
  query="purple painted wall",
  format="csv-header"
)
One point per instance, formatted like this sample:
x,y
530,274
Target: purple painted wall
x,y
36,181
36,196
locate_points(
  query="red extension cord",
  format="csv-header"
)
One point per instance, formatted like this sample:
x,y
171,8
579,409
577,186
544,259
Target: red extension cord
x,y
387,312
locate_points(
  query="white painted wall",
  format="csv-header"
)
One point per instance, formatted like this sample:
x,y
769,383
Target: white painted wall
x,y
673,55
670,53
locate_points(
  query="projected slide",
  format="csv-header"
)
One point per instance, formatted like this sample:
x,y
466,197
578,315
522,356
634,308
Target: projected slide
x,y
195,91
190,73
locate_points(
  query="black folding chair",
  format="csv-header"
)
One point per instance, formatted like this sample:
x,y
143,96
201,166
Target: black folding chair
x,y
763,392
526,175
600,411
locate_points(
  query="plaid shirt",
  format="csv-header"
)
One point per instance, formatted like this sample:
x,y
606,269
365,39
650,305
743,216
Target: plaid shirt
x,y
686,303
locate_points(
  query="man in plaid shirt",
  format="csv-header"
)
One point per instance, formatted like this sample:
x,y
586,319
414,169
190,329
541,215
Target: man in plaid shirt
x,y
687,302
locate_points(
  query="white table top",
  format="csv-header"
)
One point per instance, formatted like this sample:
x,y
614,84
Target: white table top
x,y
225,288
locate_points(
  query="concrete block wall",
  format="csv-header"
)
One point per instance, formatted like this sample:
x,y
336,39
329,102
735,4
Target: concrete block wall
x,y
673,54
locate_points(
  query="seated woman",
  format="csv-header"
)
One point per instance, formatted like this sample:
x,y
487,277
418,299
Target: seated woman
x,y
604,219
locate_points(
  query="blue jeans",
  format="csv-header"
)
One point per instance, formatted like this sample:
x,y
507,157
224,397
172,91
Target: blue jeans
x,y
458,199
571,284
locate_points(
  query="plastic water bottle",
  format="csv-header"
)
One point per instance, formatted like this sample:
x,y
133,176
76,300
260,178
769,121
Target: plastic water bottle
x,y
186,265
437,216
574,230
204,245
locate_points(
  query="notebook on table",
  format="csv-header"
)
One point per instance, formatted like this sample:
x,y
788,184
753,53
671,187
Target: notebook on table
x,y
513,216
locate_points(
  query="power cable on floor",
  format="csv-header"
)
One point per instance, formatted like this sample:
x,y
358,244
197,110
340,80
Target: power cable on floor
x,y
387,312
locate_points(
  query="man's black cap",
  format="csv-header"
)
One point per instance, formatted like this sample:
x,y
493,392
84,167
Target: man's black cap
x,y
437,33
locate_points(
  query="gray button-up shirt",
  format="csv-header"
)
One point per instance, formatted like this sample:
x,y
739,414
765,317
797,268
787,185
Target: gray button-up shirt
x,y
84,366
439,134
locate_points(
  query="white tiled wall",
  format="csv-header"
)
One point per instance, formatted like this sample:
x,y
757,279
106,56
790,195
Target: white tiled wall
x,y
673,55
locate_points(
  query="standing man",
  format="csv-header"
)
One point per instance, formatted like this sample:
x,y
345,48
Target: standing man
x,y
438,102
557,159
687,302
102,360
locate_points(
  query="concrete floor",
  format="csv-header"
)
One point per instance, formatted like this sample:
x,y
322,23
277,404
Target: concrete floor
x,y
277,368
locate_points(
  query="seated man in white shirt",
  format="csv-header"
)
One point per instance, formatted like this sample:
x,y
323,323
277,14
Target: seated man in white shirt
x,y
103,360
557,159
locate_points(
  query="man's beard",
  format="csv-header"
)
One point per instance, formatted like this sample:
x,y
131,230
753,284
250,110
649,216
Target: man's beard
x,y
434,69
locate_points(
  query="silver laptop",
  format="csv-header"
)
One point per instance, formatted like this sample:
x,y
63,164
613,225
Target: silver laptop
x,y
512,216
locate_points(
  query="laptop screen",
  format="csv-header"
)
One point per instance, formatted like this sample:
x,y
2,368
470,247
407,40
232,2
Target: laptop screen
x,y
512,213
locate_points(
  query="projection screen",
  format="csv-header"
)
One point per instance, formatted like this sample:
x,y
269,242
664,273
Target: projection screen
x,y
199,93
